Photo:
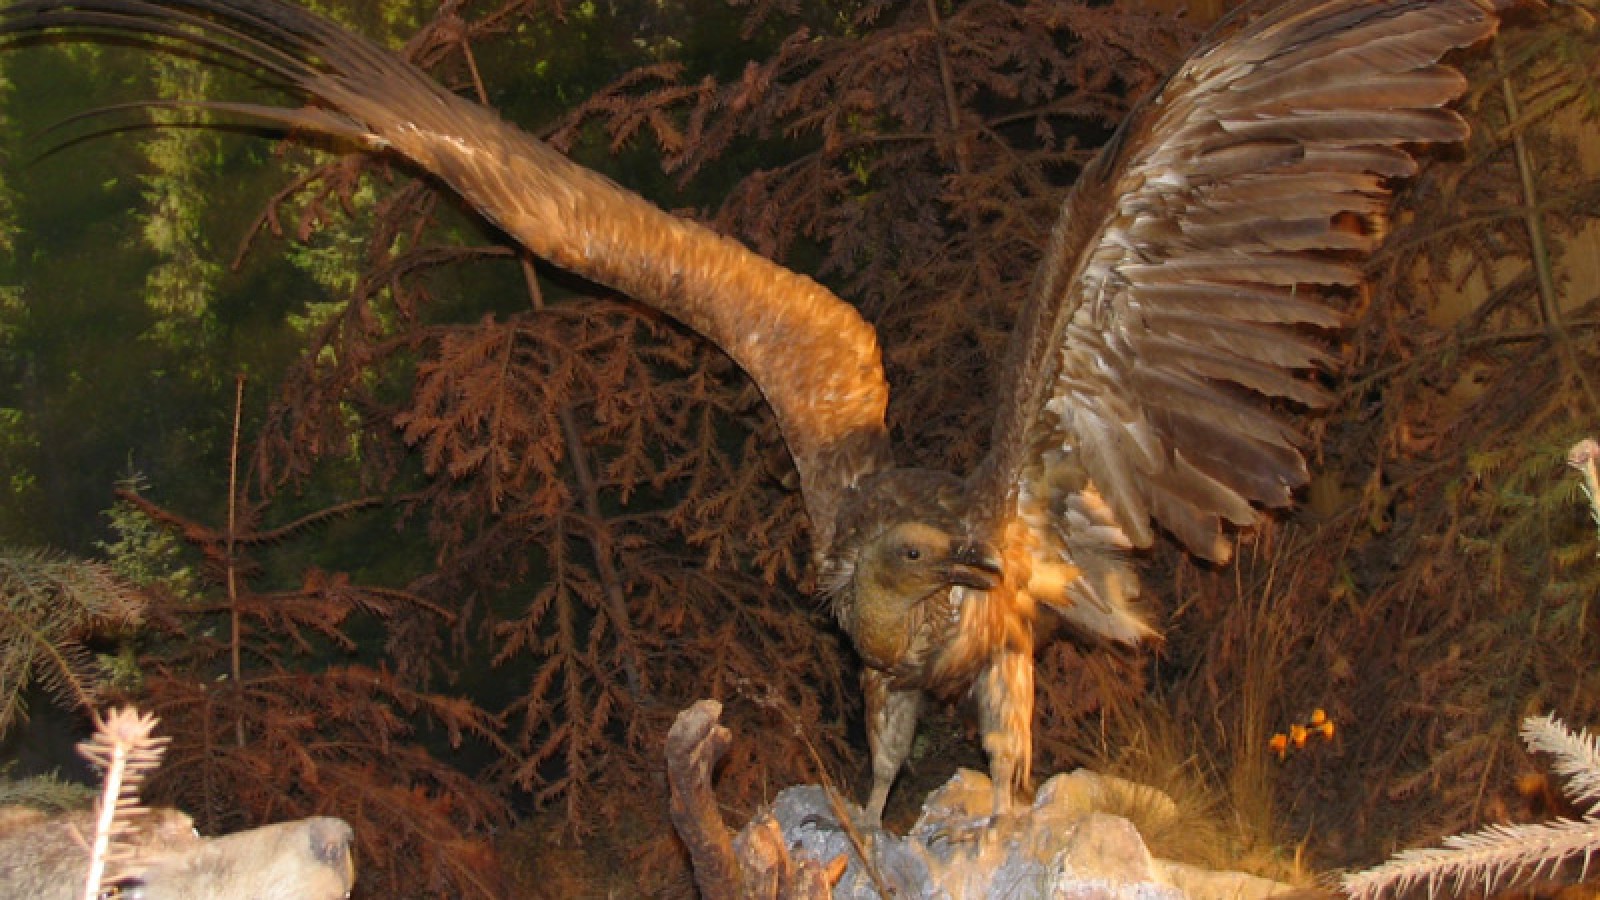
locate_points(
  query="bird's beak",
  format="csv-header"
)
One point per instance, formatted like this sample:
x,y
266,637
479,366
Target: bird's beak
x,y
975,565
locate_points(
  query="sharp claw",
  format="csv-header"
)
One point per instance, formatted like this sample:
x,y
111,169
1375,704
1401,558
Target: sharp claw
x,y
986,830
969,831
818,820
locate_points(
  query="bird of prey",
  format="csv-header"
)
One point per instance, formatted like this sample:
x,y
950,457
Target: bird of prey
x,y
1188,265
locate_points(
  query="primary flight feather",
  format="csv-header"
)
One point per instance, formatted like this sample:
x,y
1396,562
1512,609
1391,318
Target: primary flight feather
x,y
1187,265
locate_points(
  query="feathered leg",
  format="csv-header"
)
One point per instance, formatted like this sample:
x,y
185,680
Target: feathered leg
x,y
891,726
1005,710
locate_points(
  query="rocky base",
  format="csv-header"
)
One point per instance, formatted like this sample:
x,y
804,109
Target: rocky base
x,y
1064,846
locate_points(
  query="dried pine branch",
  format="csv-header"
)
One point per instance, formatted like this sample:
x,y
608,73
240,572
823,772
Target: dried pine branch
x,y
1498,856
1489,860
126,750
1577,756
292,735
658,558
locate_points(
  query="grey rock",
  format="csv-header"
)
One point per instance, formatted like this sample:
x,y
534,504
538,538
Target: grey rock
x,y
1062,848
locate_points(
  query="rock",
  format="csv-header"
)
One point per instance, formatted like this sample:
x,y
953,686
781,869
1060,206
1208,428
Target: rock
x,y
1086,791
808,823
45,858
1206,884
1064,846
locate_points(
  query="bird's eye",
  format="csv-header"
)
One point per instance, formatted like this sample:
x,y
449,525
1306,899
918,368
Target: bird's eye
x,y
911,554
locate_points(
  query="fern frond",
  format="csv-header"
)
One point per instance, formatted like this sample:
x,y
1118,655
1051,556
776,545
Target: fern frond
x,y
1577,756
1490,859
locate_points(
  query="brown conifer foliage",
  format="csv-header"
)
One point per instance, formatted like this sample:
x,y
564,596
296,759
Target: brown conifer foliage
x,y
924,149
265,729
605,498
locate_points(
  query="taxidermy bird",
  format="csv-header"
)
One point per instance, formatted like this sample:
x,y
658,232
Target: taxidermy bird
x,y
1181,293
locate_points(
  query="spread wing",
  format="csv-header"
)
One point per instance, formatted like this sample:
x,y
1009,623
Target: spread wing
x,y
1183,283
815,359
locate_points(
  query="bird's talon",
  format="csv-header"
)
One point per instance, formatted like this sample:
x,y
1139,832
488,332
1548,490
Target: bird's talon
x,y
820,821
976,830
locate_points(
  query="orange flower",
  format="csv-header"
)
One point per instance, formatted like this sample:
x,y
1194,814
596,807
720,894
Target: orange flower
x,y
1318,716
1298,734
1327,729
1279,745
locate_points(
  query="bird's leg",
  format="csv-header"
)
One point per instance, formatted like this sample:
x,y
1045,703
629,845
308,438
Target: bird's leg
x,y
1005,711
891,726
1004,695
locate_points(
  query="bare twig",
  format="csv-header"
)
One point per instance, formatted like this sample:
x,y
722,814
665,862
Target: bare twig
x,y
232,568
694,745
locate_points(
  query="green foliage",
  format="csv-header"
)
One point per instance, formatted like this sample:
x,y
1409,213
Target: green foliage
x,y
118,237
16,439
45,792
17,443
49,607
143,552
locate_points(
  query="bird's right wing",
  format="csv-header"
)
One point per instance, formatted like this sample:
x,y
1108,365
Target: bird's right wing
x,y
815,359
1185,277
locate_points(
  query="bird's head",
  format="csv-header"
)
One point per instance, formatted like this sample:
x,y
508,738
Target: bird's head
x,y
909,561
904,538
896,583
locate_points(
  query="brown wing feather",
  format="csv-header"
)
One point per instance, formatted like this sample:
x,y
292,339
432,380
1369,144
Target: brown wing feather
x,y
813,356
1192,255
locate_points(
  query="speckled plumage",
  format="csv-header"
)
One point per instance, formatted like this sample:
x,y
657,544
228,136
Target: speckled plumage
x,y
1188,262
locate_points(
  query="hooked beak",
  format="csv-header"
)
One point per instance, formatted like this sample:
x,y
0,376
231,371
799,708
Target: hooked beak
x,y
974,565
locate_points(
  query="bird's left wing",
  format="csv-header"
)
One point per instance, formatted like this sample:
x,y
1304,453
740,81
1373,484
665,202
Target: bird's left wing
x,y
1185,272
814,358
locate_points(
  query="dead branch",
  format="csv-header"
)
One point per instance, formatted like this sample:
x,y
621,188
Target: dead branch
x,y
755,864
695,744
